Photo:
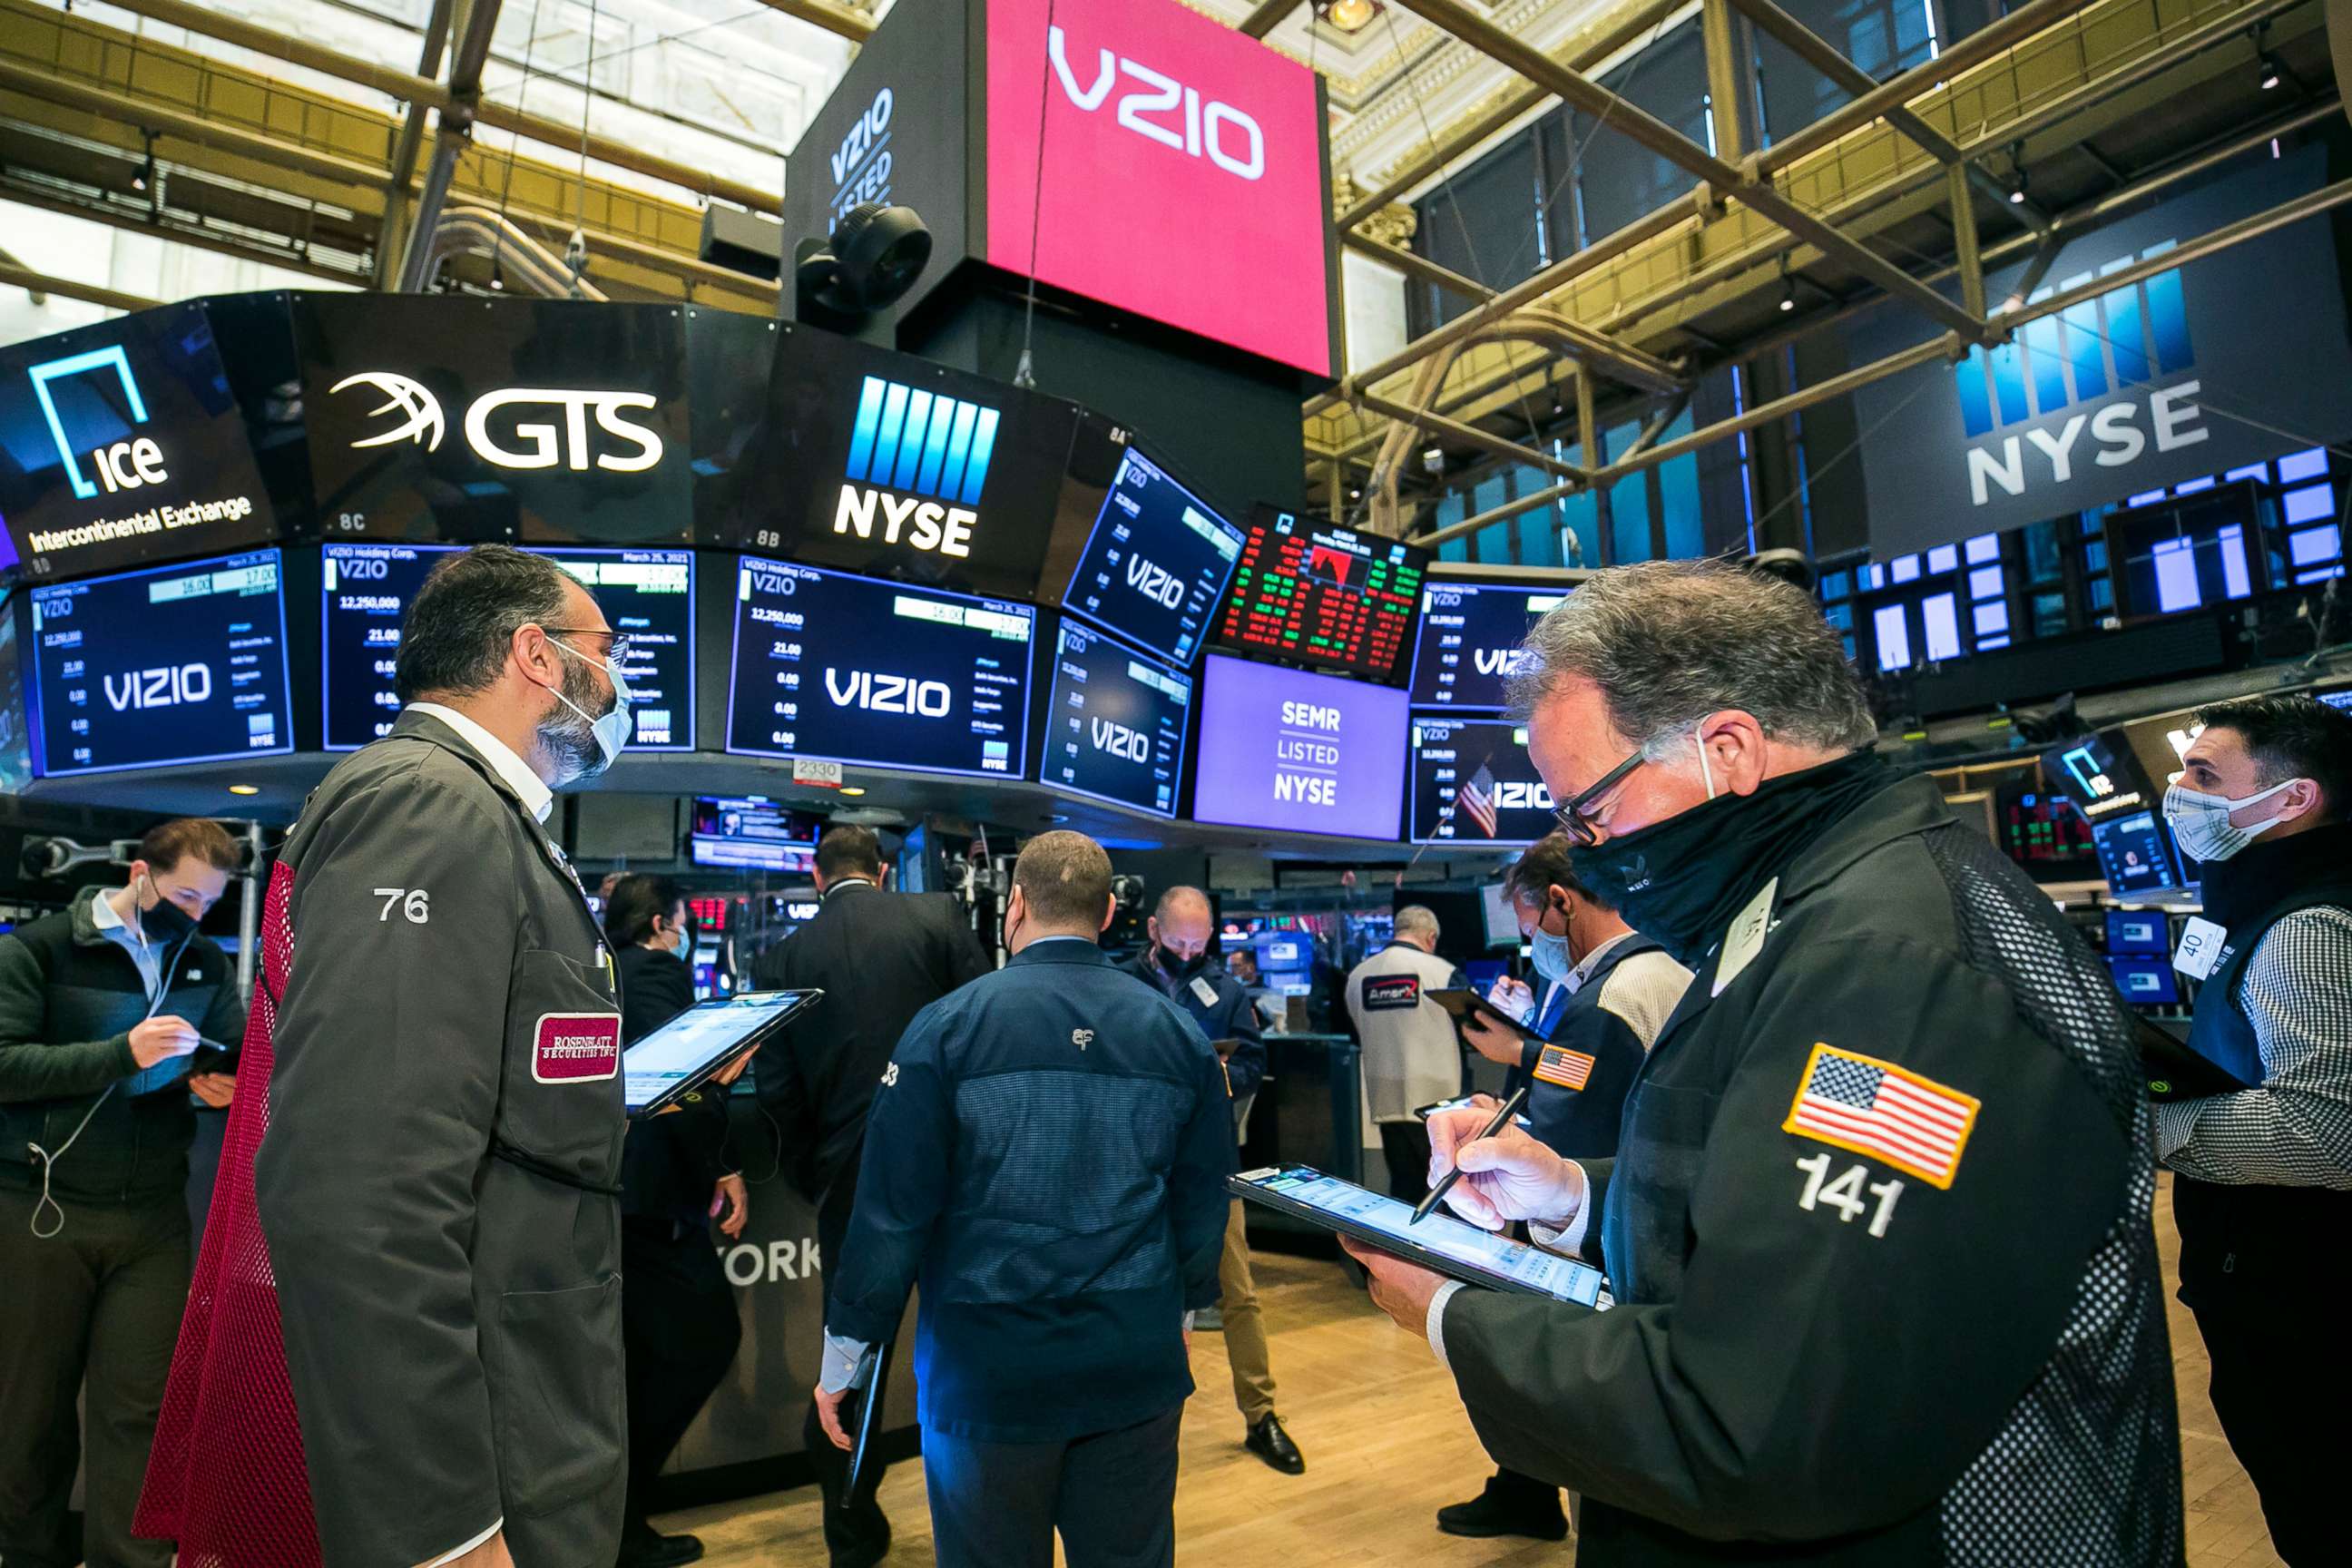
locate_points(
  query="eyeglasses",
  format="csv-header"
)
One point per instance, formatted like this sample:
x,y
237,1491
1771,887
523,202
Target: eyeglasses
x,y
616,653
1573,818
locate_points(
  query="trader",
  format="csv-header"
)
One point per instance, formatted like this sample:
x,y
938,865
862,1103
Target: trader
x,y
1058,1251
1177,961
2265,1174
880,958
1877,1228
1413,1055
679,1328
1611,991
101,1007
435,1194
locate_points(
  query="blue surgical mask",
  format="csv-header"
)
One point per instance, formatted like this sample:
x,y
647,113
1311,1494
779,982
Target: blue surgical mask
x,y
612,730
1553,960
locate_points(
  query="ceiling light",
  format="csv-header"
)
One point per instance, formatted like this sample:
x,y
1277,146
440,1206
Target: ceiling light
x,y
244,789
1348,16
145,176
853,789
1788,287
2271,75
2017,174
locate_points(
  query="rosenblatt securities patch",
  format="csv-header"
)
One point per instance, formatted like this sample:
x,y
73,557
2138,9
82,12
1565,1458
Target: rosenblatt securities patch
x,y
576,1048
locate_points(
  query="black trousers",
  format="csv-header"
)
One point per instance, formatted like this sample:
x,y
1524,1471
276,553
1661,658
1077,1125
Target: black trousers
x,y
1111,1496
100,1300
679,1330
1404,1145
2281,1386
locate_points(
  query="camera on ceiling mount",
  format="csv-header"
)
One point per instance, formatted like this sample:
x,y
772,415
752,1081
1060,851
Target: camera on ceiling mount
x,y
47,856
873,258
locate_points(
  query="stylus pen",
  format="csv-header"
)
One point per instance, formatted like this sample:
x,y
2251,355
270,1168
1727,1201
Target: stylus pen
x,y
1437,1193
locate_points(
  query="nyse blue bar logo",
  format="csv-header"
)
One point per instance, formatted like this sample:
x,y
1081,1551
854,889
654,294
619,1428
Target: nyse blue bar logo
x,y
907,445
2109,351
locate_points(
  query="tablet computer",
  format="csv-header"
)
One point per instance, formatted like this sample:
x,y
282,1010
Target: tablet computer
x,y
682,1054
1467,1006
2173,1070
1441,1242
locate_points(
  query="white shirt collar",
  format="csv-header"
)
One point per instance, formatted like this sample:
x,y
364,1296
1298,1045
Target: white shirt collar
x,y
103,915
529,788
1584,971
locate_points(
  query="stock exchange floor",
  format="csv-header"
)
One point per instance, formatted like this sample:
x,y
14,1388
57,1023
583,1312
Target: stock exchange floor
x,y
1392,1446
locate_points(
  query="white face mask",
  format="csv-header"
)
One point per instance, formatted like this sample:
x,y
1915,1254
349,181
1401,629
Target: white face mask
x,y
2200,822
611,731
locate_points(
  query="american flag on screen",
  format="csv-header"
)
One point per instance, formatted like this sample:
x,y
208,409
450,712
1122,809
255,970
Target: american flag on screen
x,y
1476,799
1877,1108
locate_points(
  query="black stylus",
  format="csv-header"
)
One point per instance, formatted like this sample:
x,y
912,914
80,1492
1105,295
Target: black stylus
x,y
1436,1193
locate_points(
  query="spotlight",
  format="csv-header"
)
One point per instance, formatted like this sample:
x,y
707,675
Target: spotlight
x,y
144,180
1348,16
2271,75
244,789
2017,174
1788,288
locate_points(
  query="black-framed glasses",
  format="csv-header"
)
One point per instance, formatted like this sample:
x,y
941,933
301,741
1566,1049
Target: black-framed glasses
x,y
616,651
1572,818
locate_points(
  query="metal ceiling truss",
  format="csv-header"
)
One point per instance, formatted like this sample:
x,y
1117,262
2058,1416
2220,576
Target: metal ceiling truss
x,y
1899,148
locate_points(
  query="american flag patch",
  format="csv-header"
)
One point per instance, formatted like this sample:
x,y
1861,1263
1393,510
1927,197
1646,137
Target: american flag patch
x,y
1875,1108
1569,1070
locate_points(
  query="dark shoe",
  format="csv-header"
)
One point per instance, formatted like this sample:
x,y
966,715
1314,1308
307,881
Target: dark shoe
x,y
651,1550
1500,1511
857,1539
1269,1442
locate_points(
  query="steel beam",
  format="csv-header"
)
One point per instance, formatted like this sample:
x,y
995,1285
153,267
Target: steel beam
x,y
1722,76
1416,265
15,276
390,234
453,135
1964,241
1471,436
842,20
1267,16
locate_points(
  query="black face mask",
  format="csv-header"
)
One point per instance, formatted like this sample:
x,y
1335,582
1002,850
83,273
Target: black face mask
x,y
1680,882
1182,968
167,921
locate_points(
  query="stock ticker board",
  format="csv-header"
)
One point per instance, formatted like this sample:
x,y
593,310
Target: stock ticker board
x,y
1324,596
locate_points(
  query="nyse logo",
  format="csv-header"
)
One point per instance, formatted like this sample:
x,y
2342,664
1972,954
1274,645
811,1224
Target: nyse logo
x,y
887,693
170,687
124,465
521,439
1305,789
1120,741
2100,353
1155,582
1522,797
1222,133
907,444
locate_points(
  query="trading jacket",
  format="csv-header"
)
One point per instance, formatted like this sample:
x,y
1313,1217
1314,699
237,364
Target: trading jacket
x,y
1413,1052
1832,1345
68,999
1048,1152
1231,1016
435,1188
1595,1040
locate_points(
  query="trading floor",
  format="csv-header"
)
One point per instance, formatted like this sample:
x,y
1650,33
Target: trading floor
x,y
1392,1446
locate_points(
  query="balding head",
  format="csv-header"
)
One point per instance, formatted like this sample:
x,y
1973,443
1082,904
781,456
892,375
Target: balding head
x,y
1417,923
1061,887
1181,923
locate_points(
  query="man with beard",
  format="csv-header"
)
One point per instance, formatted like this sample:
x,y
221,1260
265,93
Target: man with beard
x,y
1877,1223
438,1034
1176,963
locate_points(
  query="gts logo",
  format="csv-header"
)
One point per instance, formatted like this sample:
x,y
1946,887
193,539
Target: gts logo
x,y
166,687
887,693
1121,741
1522,797
1156,583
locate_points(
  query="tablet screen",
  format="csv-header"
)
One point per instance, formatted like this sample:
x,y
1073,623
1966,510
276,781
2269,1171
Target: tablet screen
x,y
1562,1278
696,1037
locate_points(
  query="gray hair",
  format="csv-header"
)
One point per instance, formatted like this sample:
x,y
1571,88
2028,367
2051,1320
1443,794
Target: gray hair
x,y
1417,920
1669,642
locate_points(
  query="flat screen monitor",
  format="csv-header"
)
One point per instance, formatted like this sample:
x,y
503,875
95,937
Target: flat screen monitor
x,y
2046,834
1114,724
2100,774
1157,564
2144,982
120,444
1324,596
2133,855
647,595
1473,783
2144,931
1469,641
2341,701
171,665
1296,752
1501,917
852,669
749,833
16,723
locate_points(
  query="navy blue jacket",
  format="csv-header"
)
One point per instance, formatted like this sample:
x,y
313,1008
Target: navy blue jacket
x,y
1048,1151
1233,1016
1592,1042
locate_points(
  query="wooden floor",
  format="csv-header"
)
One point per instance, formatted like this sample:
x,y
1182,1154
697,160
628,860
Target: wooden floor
x,y
1387,1444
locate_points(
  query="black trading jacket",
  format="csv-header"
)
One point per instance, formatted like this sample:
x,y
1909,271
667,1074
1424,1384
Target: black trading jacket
x,y
1809,1365
452,1318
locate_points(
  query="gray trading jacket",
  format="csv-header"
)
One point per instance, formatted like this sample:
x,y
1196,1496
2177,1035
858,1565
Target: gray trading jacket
x,y
447,1046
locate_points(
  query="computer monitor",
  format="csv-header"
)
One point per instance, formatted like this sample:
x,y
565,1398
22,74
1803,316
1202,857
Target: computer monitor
x,y
2144,931
2144,982
1501,916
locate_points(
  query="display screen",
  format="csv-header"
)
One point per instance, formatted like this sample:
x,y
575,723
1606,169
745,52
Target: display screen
x,y
698,1036
1324,596
1297,752
15,724
534,421
1207,208
1115,726
1473,783
750,832
1500,915
122,443
1481,1251
1157,565
853,670
2138,931
178,664
2133,854
2044,833
647,595
2147,982
1469,642
2100,773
